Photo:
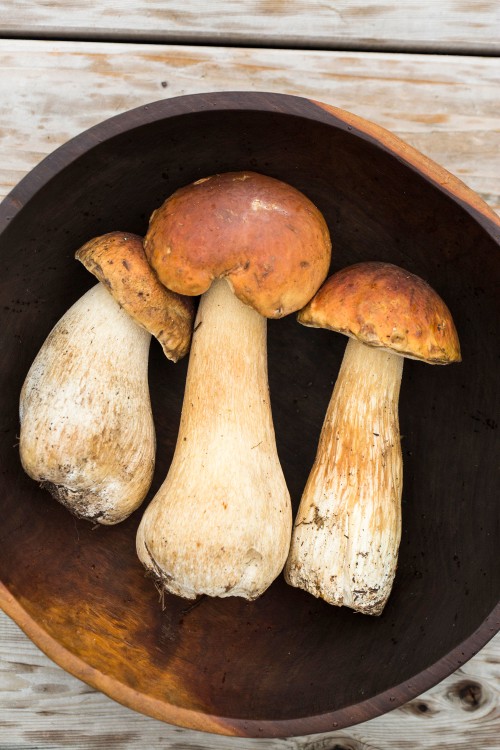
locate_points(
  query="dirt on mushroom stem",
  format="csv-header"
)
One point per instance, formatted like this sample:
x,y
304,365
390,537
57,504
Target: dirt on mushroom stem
x,y
348,527
356,479
220,524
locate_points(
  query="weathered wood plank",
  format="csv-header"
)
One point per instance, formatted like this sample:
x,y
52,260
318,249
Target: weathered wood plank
x,y
447,107
328,24
43,707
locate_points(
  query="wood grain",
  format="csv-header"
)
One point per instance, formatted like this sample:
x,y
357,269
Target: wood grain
x,y
44,110
447,107
448,25
43,707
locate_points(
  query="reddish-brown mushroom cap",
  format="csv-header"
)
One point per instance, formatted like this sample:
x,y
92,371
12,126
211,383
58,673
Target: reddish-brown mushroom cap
x,y
264,236
382,305
117,259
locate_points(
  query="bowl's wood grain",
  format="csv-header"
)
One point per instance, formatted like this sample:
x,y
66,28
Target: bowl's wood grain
x,y
286,664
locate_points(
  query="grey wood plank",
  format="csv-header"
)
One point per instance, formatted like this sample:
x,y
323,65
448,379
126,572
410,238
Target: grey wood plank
x,y
447,25
448,107
43,707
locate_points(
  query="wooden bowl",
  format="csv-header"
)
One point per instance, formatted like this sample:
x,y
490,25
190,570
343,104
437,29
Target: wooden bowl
x,y
287,664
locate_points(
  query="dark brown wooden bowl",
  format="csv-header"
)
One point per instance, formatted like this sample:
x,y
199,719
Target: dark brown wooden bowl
x,y
286,664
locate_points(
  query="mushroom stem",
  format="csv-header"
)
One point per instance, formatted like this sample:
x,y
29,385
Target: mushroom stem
x,y
220,524
348,527
87,431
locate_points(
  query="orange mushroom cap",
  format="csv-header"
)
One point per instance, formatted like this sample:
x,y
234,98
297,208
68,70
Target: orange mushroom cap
x,y
264,236
117,259
382,305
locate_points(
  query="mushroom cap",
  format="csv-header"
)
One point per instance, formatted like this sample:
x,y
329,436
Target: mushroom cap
x,y
264,236
382,305
117,259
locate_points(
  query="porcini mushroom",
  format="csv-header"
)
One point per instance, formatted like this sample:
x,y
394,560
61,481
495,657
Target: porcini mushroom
x,y
253,247
87,432
347,530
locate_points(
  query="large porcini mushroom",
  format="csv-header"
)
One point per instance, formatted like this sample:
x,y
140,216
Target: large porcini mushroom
x,y
87,432
254,247
347,530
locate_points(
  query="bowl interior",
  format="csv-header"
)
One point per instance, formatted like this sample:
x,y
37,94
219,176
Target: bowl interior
x,y
286,657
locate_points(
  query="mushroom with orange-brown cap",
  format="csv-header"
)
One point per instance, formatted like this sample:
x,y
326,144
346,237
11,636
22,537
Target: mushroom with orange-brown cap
x,y
253,247
87,432
347,530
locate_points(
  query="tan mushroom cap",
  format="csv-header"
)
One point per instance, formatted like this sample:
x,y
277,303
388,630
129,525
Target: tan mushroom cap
x,y
265,236
382,305
117,259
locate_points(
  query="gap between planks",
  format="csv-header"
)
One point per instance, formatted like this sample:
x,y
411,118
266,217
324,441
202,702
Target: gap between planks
x,y
295,44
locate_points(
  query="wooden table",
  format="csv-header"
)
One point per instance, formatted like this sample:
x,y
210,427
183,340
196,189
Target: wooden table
x,y
428,71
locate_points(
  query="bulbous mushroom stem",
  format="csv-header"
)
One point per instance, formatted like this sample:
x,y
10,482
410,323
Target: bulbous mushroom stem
x,y
348,527
87,432
220,524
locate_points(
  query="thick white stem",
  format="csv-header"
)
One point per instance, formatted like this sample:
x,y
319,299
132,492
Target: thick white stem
x,y
87,431
220,524
348,528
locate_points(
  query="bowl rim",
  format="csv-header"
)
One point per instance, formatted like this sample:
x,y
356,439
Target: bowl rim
x,y
447,183
317,111
269,728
